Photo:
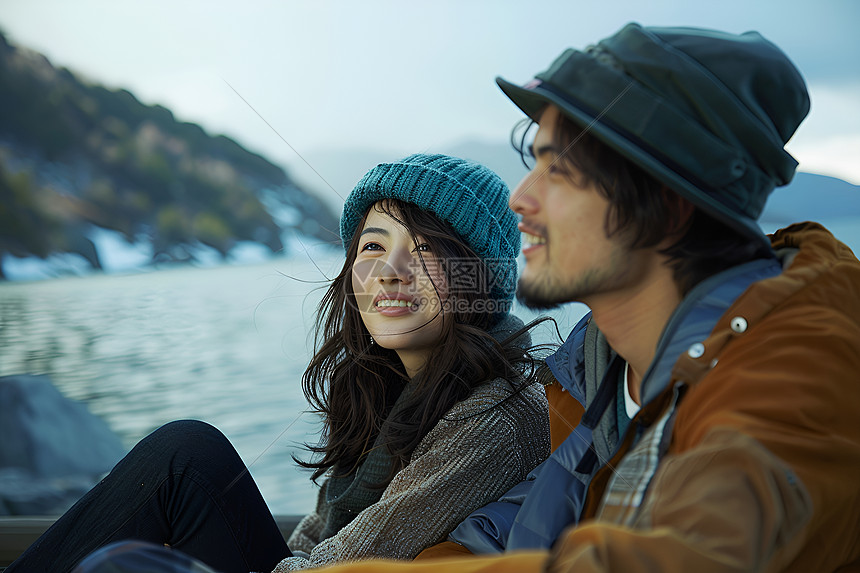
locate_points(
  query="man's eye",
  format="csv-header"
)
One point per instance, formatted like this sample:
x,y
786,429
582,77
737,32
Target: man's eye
x,y
556,168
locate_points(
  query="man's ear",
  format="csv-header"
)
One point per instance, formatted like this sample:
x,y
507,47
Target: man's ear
x,y
680,213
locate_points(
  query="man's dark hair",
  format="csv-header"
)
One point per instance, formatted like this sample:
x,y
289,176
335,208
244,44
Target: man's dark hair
x,y
644,211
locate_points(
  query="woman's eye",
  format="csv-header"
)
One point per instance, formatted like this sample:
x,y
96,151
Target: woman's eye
x,y
423,247
371,247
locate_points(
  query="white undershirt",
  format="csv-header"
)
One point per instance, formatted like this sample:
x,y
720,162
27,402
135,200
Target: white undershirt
x,y
629,405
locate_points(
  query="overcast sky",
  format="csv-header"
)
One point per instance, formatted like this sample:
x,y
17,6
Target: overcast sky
x,y
407,76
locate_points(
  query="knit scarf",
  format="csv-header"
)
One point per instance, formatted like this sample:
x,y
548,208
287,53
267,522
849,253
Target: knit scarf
x,y
348,495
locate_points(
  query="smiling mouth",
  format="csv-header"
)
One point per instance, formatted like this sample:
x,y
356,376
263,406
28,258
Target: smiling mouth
x,y
391,302
530,240
395,303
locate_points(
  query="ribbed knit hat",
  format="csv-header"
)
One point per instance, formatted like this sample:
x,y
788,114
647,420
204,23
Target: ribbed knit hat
x,y
705,112
466,195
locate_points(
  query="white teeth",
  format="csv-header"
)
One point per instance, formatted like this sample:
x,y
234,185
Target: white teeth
x,y
531,240
389,302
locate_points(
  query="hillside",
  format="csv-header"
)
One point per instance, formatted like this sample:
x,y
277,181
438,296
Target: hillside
x,y
77,157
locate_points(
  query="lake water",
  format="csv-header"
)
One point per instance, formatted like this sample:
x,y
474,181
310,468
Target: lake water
x,y
227,345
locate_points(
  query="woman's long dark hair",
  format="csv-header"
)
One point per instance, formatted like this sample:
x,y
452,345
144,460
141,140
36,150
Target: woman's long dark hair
x,y
353,383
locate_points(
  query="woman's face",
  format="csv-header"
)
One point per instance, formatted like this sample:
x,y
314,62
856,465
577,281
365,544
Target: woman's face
x,y
398,299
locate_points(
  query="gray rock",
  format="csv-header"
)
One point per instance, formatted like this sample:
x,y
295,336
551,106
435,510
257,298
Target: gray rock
x,y
52,449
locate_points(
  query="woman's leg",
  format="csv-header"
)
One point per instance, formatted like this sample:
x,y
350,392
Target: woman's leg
x,y
183,485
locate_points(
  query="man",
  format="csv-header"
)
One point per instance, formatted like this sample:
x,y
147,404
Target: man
x,y
655,152
710,399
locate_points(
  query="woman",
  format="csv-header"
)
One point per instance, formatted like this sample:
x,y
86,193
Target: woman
x,y
420,378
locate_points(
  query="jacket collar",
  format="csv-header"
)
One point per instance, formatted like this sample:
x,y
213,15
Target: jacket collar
x,y
689,326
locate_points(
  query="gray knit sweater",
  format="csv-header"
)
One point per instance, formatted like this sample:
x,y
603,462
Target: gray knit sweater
x,y
481,448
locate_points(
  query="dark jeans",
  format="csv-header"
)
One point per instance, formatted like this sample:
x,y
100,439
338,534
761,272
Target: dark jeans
x,y
183,485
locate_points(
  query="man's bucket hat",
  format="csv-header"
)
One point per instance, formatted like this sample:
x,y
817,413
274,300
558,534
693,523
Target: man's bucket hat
x,y
705,112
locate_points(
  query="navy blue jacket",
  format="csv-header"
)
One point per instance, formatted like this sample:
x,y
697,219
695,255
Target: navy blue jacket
x,y
535,512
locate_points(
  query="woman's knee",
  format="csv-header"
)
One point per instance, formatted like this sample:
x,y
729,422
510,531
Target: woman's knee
x,y
188,438
181,430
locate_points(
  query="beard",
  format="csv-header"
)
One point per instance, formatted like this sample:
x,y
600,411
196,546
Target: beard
x,y
537,295
548,290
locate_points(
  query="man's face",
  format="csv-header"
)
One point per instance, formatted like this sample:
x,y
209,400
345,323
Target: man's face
x,y
568,255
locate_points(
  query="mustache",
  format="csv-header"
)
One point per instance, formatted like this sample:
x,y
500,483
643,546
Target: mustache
x,y
533,228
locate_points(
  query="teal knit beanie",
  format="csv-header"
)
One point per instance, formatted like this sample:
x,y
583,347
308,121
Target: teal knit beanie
x,y
466,195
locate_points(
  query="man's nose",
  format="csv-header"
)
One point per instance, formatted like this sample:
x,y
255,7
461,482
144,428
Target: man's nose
x,y
522,200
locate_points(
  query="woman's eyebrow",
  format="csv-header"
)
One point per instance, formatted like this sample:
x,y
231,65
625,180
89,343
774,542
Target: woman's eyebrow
x,y
377,230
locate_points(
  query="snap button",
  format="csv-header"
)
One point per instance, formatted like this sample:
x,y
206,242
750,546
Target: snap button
x,y
696,350
738,168
739,324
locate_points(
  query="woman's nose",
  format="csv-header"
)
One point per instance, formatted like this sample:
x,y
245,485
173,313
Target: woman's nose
x,y
399,266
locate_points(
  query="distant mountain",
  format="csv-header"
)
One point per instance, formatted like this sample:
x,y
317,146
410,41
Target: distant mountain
x,y
337,170
76,158
828,200
812,197
500,157
334,172
808,197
